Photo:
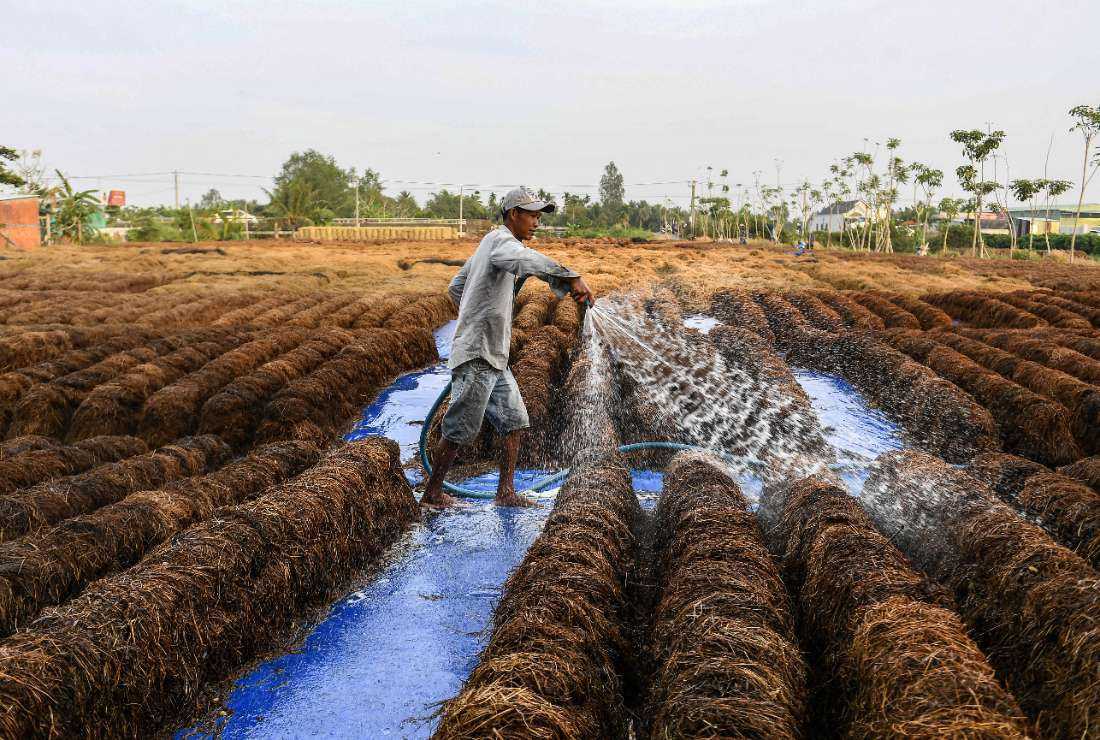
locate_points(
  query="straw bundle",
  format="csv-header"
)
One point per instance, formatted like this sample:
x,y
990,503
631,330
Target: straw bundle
x,y
1031,604
10,448
317,405
983,310
737,308
567,317
36,466
928,315
1053,314
173,411
1067,509
938,414
854,314
135,650
783,318
1082,399
537,371
318,315
889,658
48,503
726,661
51,565
114,407
248,313
24,349
1086,470
280,314
894,316
552,665
1030,425
424,313
1088,313
820,315
237,409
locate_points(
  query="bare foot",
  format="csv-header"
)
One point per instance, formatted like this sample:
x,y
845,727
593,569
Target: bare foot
x,y
438,500
511,498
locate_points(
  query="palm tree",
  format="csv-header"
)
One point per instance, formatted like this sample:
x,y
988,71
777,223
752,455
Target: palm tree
x,y
72,208
296,203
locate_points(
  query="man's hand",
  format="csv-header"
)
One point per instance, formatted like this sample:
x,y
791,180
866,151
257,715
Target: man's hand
x,y
580,291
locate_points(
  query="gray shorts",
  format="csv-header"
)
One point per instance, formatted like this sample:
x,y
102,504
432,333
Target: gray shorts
x,y
479,390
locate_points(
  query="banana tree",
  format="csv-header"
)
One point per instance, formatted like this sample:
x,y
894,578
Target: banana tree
x,y
71,208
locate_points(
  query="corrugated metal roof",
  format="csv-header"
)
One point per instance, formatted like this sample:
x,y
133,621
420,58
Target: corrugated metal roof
x,y
17,196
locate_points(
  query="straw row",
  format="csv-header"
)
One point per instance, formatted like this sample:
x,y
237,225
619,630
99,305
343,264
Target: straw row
x,y
318,405
1052,314
424,313
983,310
1091,314
47,503
173,411
1031,604
926,314
38,465
889,658
134,651
738,308
1029,424
938,414
552,667
115,407
538,371
726,662
235,411
1066,508
1082,399
892,315
1041,350
816,311
854,314
52,565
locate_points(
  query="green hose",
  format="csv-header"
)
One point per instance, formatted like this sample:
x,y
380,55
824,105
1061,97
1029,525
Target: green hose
x,y
541,484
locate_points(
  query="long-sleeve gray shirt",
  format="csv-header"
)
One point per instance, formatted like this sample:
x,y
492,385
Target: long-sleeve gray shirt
x,y
483,291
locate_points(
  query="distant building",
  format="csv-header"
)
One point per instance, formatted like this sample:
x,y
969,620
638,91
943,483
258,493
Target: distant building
x,y
235,216
19,225
1058,219
845,215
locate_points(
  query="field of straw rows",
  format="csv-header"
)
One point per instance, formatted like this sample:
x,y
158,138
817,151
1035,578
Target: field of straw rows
x,y
174,494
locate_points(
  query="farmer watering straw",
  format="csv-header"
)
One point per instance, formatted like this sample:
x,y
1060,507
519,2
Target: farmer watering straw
x,y
481,383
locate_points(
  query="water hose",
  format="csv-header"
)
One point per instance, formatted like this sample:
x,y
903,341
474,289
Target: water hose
x,y
542,483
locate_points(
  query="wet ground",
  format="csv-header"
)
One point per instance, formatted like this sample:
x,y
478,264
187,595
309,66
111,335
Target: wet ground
x,y
385,655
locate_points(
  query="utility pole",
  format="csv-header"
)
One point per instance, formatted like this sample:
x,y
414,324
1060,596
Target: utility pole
x,y
691,213
176,177
461,223
357,203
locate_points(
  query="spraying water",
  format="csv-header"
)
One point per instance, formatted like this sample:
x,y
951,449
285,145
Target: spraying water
x,y
685,389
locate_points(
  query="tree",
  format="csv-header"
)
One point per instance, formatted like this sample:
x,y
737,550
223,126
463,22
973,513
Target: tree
x,y
1051,190
612,192
929,180
296,203
211,200
977,146
74,208
31,171
317,176
1087,119
1025,191
950,208
7,177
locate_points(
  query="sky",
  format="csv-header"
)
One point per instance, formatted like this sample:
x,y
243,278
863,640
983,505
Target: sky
x,y
491,94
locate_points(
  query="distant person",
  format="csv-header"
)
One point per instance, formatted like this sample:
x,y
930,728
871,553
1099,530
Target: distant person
x,y
743,233
482,386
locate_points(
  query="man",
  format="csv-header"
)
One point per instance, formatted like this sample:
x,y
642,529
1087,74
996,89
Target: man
x,y
481,383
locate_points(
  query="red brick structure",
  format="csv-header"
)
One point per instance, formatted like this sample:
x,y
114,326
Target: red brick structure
x,y
19,222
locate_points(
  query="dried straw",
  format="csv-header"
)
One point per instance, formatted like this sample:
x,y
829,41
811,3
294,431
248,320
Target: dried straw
x,y
134,651
726,662
51,565
552,668
1067,509
1031,604
889,658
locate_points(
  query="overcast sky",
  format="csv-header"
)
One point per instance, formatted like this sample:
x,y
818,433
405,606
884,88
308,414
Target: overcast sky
x,y
493,93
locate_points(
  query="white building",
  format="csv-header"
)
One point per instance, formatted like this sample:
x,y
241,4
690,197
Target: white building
x,y
844,215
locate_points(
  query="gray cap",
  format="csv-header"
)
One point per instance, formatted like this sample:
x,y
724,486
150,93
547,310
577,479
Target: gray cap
x,y
526,199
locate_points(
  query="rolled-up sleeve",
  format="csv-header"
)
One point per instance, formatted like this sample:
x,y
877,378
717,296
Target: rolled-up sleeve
x,y
511,256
